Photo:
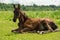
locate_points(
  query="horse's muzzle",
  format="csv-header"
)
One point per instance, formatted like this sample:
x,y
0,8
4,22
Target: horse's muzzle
x,y
14,20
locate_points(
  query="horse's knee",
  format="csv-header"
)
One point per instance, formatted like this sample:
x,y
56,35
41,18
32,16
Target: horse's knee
x,y
19,25
15,30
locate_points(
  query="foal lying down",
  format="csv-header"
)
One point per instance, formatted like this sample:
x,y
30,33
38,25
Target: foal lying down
x,y
27,24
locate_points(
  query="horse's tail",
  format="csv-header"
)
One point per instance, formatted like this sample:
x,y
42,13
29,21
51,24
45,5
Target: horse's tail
x,y
53,25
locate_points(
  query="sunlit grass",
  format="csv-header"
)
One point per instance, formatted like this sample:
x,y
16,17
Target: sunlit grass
x,y
6,25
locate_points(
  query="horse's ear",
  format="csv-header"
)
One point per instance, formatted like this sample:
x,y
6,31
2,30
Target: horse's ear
x,y
14,5
18,6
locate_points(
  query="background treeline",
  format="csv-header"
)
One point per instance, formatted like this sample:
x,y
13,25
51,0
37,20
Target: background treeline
x,y
34,7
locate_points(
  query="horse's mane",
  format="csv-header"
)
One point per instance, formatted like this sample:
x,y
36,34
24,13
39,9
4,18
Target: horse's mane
x,y
24,16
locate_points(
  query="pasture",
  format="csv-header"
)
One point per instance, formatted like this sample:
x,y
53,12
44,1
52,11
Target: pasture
x,y
6,25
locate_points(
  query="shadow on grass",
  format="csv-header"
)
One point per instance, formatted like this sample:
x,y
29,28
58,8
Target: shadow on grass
x,y
12,34
15,33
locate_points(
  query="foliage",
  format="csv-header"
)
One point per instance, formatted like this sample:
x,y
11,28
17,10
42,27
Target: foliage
x,y
34,7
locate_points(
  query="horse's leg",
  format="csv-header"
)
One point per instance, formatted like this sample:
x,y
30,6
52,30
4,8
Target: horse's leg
x,y
43,32
16,30
24,30
57,30
27,28
54,27
40,28
49,27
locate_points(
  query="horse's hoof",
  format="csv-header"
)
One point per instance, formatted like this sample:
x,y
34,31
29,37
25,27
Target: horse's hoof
x,y
12,31
40,32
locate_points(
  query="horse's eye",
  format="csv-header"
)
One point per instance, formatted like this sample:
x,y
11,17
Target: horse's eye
x,y
17,13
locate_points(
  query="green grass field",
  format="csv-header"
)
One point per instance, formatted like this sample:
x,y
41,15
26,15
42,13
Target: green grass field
x,y
6,25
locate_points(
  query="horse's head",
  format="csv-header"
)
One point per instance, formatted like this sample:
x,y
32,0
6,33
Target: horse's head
x,y
16,12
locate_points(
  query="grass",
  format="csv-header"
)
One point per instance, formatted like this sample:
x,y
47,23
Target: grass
x,y
6,25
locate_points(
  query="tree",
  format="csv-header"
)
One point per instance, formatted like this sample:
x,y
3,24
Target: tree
x,y
53,6
34,5
23,7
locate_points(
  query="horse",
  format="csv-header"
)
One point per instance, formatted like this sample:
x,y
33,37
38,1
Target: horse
x,y
29,24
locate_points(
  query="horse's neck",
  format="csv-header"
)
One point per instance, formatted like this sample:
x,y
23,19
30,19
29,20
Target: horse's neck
x,y
23,18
